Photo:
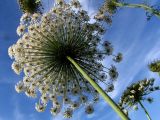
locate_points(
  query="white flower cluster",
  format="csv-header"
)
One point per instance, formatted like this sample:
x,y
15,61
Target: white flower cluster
x,y
45,42
137,92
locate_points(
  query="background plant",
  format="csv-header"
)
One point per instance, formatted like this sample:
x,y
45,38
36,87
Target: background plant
x,y
137,93
155,66
110,7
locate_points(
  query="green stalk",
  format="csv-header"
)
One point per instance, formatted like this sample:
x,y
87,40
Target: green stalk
x,y
147,114
143,6
100,90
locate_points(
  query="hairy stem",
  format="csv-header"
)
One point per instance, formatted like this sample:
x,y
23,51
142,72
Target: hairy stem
x,y
100,90
147,114
143,6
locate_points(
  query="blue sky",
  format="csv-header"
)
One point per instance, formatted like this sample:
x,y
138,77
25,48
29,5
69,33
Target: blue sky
x,y
130,33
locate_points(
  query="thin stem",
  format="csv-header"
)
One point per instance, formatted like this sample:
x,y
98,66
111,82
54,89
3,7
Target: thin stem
x,y
147,114
143,6
100,90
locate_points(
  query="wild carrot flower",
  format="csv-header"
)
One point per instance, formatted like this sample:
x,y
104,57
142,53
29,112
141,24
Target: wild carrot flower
x,y
136,93
107,11
155,66
42,51
110,7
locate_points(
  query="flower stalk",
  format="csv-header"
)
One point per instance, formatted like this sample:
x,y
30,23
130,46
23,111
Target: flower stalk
x,y
100,90
143,6
147,114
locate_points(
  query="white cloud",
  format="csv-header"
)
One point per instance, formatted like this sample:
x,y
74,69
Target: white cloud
x,y
154,54
87,5
18,115
58,117
139,51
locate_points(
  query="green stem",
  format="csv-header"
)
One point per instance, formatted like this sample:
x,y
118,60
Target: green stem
x,y
143,6
100,90
147,114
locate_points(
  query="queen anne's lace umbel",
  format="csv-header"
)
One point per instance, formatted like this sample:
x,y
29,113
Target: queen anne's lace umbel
x,y
137,92
41,53
155,66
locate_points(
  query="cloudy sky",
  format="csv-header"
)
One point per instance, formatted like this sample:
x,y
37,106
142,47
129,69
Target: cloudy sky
x,y
130,33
